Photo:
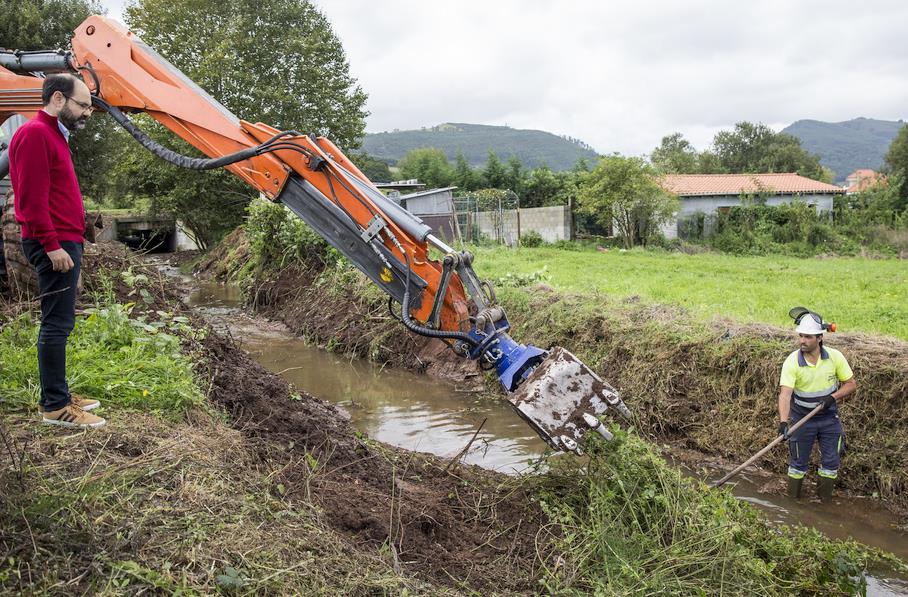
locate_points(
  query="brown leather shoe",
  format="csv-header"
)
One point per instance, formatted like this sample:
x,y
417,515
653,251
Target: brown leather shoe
x,y
73,416
84,403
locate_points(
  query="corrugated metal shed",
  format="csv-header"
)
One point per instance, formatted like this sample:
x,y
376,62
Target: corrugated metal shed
x,y
436,208
432,202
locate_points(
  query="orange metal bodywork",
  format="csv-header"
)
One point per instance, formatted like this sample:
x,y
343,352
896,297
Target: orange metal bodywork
x,y
132,77
18,95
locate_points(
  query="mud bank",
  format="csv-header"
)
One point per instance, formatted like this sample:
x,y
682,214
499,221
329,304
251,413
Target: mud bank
x,y
710,387
457,526
411,521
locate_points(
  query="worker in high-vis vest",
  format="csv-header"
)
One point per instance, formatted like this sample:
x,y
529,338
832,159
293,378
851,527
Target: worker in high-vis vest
x,y
813,375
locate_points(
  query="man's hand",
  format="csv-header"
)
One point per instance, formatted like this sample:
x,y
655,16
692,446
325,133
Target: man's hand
x,y
783,429
828,401
61,260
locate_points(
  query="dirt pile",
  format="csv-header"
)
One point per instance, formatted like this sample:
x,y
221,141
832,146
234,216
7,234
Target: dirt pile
x,y
463,526
107,268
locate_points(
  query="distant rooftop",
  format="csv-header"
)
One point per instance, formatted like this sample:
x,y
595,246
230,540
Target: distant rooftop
x,y
861,180
429,192
697,185
401,185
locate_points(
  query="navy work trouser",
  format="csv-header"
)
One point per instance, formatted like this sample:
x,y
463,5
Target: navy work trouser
x,y
58,317
825,428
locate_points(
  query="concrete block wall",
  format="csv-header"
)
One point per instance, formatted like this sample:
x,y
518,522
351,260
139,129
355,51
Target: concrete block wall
x,y
551,223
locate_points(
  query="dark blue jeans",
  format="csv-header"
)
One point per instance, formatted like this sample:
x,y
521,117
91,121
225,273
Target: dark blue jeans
x,y
58,317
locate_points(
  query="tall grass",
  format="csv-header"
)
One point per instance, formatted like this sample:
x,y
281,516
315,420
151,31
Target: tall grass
x,y
859,294
626,523
119,358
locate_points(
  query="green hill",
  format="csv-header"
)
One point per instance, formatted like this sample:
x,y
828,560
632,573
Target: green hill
x,y
846,146
533,148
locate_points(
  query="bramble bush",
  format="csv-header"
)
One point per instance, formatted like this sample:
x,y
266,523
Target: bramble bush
x,y
279,238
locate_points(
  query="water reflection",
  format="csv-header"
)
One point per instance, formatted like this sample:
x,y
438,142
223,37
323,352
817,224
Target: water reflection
x,y
393,406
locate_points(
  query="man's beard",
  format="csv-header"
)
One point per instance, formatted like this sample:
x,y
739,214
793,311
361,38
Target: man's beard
x,y
71,121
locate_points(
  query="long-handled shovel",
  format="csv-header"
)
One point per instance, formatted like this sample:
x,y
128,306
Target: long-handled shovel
x,y
768,447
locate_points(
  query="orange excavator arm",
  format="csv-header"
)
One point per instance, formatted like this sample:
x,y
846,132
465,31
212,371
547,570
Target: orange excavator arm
x,y
438,298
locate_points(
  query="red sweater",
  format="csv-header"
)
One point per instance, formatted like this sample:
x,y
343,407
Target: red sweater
x,y
47,197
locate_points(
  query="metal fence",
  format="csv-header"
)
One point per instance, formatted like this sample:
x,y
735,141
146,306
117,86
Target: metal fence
x,y
489,215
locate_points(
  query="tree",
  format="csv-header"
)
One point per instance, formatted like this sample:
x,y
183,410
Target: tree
x,y
375,169
754,148
261,64
626,192
515,175
429,165
541,188
896,162
274,61
42,24
494,175
675,155
582,166
708,163
464,177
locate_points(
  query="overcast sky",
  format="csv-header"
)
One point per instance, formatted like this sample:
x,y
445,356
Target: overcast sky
x,y
621,75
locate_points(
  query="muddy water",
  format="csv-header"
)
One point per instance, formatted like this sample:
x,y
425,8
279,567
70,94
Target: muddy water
x,y
419,413
860,519
393,406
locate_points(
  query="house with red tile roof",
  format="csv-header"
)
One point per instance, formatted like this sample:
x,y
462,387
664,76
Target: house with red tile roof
x,y
703,196
861,180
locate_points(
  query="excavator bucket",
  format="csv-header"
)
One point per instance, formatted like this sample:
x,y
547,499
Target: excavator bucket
x,y
562,399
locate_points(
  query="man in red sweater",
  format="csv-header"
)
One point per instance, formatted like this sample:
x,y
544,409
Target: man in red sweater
x,y
49,209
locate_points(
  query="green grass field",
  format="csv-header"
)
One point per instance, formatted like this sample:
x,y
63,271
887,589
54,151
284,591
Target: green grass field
x,y
858,294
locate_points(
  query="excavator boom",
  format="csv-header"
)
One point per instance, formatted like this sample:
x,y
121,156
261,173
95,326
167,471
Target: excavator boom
x,y
551,389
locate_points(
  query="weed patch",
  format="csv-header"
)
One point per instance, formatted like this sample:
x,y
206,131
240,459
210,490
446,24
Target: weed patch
x,y
125,361
626,523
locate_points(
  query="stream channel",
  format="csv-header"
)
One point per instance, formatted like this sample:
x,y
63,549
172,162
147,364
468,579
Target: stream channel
x,y
419,413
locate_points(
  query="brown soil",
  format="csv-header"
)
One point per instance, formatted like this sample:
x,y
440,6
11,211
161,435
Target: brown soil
x,y
465,527
360,326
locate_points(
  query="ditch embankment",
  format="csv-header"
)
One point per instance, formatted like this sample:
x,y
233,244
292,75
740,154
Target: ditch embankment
x,y
707,387
214,475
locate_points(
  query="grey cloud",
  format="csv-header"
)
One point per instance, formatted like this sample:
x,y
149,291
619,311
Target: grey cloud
x,y
620,75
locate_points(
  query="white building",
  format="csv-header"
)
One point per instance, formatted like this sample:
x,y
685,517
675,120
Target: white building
x,y
703,196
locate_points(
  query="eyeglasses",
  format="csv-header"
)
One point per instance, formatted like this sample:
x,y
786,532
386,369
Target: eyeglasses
x,y
82,105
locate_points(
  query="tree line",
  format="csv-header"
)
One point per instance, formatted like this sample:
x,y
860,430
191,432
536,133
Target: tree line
x,y
623,194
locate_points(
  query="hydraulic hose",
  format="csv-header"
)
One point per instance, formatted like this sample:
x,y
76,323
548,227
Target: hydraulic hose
x,y
421,330
181,160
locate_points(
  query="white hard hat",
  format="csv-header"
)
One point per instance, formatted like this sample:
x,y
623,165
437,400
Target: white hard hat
x,y
809,325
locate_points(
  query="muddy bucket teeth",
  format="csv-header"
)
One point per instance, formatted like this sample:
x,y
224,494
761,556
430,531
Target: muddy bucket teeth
x,y
562,399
